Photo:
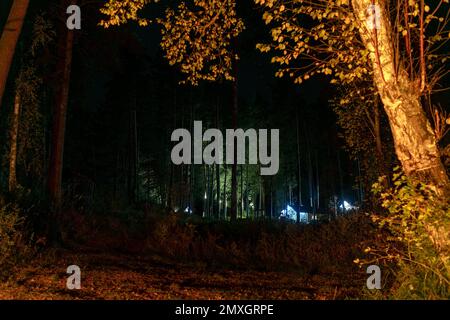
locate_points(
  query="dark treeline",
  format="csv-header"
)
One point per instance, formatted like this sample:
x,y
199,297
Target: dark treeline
x,y
124,101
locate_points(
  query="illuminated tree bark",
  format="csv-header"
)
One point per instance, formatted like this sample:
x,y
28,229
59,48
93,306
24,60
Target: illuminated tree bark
x,y
414,139
9,38
378,141
12,182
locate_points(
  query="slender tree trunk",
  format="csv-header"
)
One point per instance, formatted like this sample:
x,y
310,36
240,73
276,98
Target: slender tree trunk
x,y
234,115
225,192
205,187
133,157
360,186
59,126
247,209
181,182
317,181
332,175
13,149
341,180
299,168
217,213
192,165
310,173
211,190
258,205
242,191
218,208
9,38
172,169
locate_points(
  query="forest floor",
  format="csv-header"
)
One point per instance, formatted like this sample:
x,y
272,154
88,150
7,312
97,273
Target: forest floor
x,y
113,275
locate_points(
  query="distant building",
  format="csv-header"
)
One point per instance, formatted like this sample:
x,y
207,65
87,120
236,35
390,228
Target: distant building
x,y
290,214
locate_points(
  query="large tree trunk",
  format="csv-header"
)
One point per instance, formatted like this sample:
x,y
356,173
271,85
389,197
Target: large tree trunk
x,y
414,140
8,41
12,183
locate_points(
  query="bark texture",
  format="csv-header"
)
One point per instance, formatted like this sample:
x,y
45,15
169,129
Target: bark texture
x,y
12,181
414,139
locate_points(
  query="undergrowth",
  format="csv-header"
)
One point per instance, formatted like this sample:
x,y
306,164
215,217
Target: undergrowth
x,y
416,251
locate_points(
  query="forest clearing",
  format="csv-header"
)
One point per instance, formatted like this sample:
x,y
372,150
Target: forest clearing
x,y
106,276
131,267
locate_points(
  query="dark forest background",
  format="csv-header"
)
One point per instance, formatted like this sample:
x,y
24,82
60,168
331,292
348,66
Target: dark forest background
x,y
125,102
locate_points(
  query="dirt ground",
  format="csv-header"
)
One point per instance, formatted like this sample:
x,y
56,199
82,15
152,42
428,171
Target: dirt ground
x,y
110,276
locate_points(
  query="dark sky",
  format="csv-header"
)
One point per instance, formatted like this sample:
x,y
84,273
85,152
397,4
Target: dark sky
x,y
256,74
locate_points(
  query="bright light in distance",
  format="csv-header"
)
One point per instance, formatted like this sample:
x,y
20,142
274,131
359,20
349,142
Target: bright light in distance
x,y
347,206
187,210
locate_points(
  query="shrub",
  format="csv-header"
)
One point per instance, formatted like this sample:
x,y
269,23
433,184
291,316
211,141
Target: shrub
x,y
9,234
418,222
269,245
173,237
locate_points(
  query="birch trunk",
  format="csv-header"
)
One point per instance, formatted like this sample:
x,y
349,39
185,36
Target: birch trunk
x,y
12,183
414,139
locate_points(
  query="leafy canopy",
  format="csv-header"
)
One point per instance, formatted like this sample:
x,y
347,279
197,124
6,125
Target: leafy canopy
x,y
197,36
321,37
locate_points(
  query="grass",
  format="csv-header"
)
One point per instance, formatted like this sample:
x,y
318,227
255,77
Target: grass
x,y
261,245
138,255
